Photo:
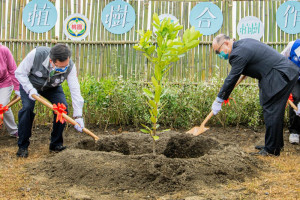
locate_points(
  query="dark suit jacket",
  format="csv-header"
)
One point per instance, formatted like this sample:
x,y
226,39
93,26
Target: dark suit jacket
x,y
258,60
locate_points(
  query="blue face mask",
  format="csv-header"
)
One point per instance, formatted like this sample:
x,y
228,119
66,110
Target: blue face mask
x,y
223,55
61,70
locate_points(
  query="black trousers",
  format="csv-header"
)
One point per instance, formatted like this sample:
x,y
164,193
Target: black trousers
x,y
273,111
294,119
26,116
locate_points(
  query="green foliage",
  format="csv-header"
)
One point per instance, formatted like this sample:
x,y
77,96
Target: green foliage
x,y
115,102
166,51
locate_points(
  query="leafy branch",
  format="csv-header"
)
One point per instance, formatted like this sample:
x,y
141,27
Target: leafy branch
x,y
162,49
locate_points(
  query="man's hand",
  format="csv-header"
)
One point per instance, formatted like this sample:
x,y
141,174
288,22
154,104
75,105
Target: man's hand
x,y
81,123
32,92
298,111
216,106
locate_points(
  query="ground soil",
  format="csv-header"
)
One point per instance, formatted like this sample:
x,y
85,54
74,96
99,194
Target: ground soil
x,y
121,164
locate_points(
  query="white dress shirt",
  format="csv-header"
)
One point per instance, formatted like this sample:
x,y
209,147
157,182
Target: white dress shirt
x,y
23,72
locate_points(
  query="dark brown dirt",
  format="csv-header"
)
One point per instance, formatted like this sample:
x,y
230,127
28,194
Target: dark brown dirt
x,y
125,163
121,164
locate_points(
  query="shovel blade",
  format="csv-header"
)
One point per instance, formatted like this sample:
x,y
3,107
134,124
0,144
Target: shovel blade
x,y
197,130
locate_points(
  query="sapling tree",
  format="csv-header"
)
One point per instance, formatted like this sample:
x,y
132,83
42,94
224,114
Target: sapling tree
x,y
162,48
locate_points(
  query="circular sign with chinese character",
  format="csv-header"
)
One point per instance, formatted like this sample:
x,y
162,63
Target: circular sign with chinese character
x,y
206,17
76,26
250,27
39,16
118,17
288,17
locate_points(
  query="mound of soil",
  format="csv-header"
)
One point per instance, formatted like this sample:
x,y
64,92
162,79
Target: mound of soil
x,y
125,163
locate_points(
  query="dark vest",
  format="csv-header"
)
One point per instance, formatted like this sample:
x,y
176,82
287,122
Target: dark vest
x,y
40,75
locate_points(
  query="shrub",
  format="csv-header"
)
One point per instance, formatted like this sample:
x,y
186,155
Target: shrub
x,y
121,103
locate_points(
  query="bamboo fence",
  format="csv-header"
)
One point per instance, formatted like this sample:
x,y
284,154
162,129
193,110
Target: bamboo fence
x,y
104,54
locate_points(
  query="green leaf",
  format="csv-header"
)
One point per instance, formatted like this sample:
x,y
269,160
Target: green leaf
x,y
155,137
156,19
155,113
146,127
193,44
194,34
158,73
147,56
144,131
165,130
156,26
152,103
158,91
151,50
153,119
148,93
177,28
139,48
154,81
159,41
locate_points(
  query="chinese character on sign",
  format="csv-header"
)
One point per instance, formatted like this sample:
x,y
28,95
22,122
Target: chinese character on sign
x,y
206,17
250,27
292,11
76,27
118,17
288,17
39,16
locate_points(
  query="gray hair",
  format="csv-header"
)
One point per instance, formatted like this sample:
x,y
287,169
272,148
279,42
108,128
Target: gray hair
x,y
221,37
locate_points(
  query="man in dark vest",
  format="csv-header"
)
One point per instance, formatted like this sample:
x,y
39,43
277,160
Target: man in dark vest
x,y
41,73
277,76
292,51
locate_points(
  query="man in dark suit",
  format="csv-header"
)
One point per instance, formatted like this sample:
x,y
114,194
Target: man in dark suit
x,y
276,74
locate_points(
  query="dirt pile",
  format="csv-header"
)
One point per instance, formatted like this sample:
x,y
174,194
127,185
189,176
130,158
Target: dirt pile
x,y
125,162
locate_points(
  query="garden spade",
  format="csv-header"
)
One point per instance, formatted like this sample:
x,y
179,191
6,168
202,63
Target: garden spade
x,y
66,117
197,130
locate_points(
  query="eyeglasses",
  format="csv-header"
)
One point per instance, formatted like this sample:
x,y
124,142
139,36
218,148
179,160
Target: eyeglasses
x,y
218,50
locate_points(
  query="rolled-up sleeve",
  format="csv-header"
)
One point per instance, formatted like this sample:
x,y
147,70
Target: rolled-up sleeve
x,y
77,100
